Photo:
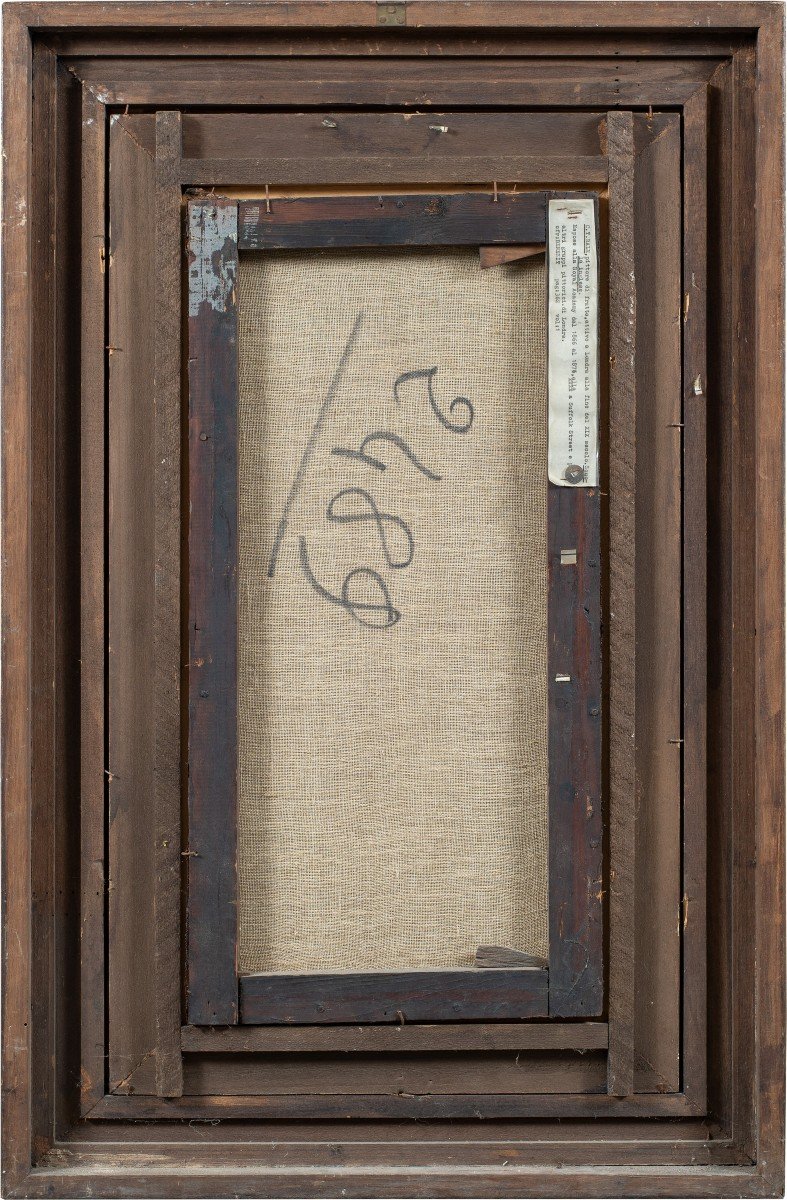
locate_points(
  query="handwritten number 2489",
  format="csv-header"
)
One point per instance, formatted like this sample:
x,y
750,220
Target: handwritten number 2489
x,y
355,505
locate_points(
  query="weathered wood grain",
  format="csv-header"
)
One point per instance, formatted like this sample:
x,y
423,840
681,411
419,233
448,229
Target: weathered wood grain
x,y
430,138
410,1039
417,220
94,256
88,45
167,602
576,886
278,15
769,800
131,602
291,173
695,582
380,996
49,638
392,1073
468,1106
622,600
658,597
412,82
212,989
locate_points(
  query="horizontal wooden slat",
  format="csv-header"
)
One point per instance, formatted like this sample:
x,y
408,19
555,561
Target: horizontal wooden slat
x,y
469,218
342,169
434,136
251,1039
388,1074
382,996
375,1107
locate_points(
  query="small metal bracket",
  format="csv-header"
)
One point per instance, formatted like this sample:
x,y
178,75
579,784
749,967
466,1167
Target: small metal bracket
x,y
391,14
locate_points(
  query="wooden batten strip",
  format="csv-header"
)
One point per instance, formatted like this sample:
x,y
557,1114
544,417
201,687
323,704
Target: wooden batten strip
x,y
693,920
465,219
404,1039
382,996
622,625
576,890
213,549
92,602
167,633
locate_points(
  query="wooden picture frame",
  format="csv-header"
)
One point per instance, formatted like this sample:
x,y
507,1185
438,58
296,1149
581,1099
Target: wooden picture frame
x,y
674,116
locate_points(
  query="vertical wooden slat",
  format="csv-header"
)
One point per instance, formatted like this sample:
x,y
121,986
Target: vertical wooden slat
x,y
46,556
166,435
576,979
213,558
695,632
131,817
748,475
92,650
622,626
768,1067
658,270
17,622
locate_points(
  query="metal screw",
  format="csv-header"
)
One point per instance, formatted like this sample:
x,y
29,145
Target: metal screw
x,y
203,437
573,473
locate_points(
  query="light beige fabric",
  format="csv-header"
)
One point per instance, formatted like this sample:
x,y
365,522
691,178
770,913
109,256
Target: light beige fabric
x,y
392,779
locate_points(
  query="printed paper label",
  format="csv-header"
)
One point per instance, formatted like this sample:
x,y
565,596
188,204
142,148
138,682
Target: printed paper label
x,y
573,344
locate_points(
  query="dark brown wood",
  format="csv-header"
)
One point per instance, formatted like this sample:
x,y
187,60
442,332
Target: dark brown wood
x,y
658,592
47,557
212,990
251,1039
418,220
131,584
93,601
447,43
333,15
413,82
695,631
746,633
622,600
576,886
722,322
359,136
167,602
768,797
290,173
447,995
474,1142
467,1106
491,1074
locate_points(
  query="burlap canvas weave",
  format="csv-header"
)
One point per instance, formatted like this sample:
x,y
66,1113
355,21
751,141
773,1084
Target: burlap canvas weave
x,y
391,758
